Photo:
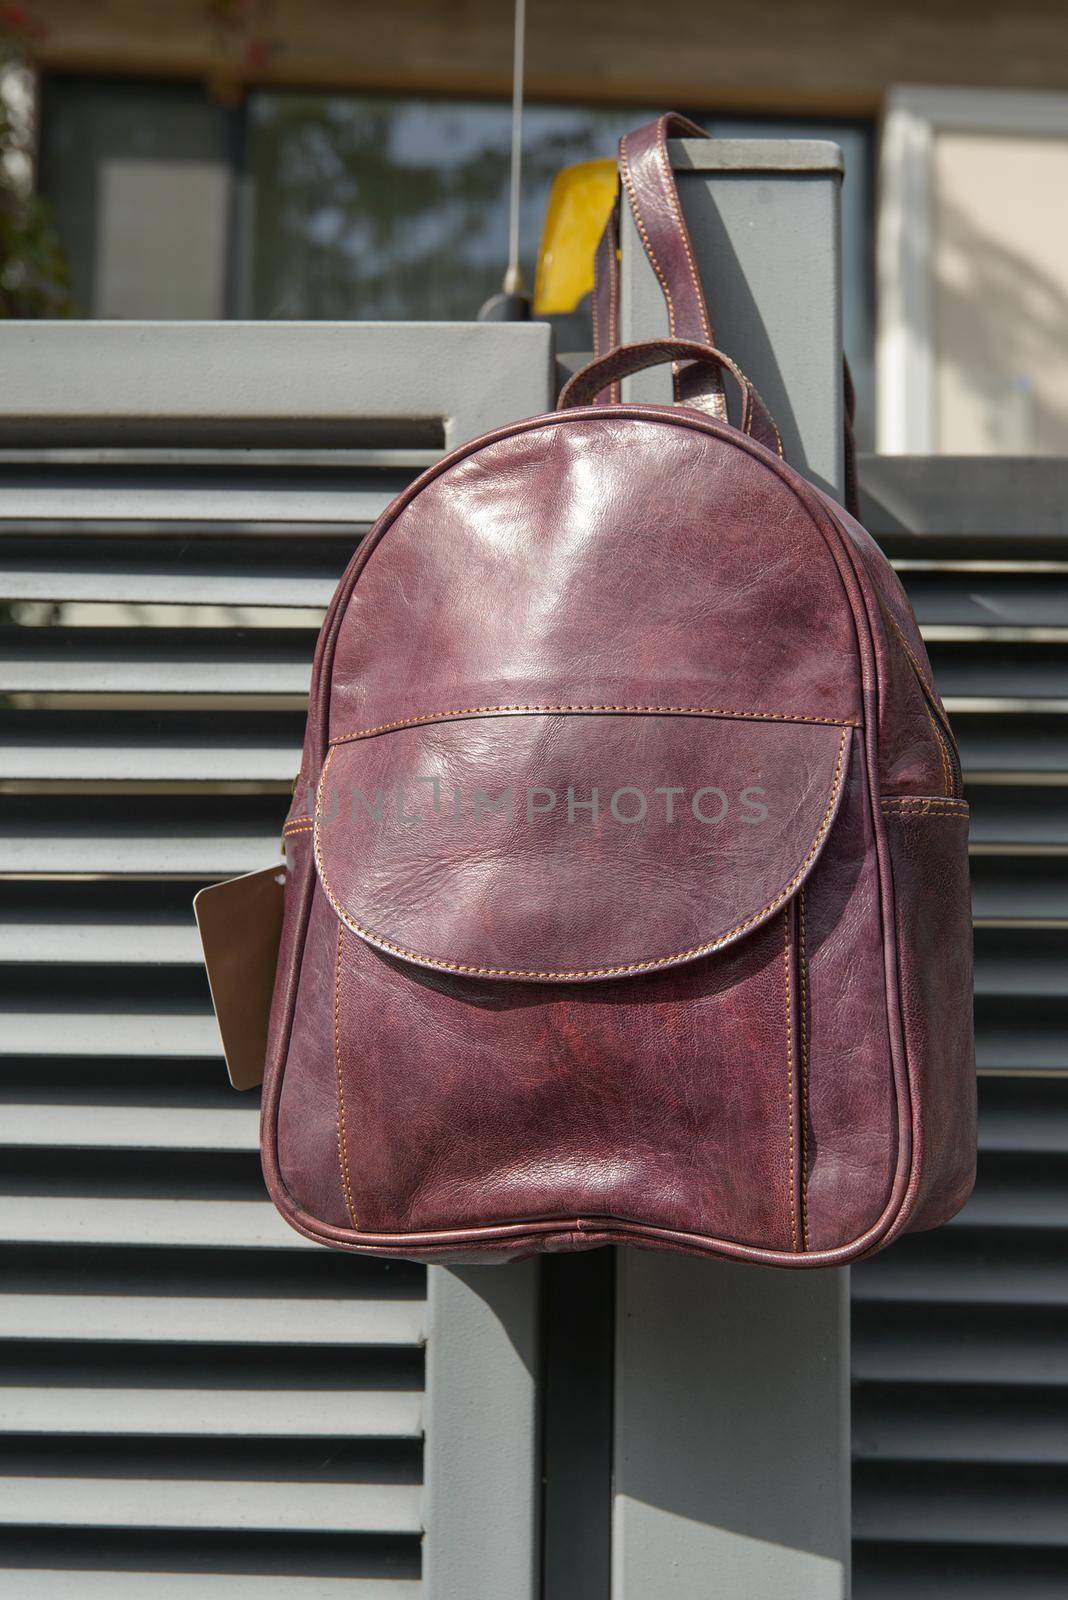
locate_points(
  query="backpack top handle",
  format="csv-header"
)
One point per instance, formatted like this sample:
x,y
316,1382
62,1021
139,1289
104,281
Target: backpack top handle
x,y
585,385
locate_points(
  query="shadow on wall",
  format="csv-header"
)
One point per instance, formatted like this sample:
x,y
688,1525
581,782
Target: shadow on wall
x,y
1000,331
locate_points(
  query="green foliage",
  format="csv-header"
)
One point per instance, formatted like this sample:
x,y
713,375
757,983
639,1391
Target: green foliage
x,y
34,277
370,206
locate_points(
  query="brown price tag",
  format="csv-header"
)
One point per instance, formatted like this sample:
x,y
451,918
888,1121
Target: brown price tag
x,y
240,926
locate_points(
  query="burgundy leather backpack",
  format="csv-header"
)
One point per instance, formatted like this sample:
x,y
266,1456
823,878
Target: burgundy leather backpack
x,y
627,883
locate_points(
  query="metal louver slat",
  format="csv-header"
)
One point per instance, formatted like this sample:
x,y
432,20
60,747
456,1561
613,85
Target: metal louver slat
x,y
227,567
35,1583
109,1127
136,661
51,495
999,670
1015,742
250,1224
379,1323
97,943
197,836
151,746
96,1500
188,1298
960,1353
194,1400
992,595
246,1413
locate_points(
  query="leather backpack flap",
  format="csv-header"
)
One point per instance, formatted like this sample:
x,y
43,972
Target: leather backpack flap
x,y
555,1011
573,847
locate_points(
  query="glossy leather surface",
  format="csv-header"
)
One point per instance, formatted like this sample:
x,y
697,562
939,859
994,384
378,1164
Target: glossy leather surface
x,y
766,1101
850,1136
308,1108
606,552
929,849
518,846
474,1102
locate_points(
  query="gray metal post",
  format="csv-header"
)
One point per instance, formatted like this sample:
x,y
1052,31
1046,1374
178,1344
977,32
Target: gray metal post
x,y
482,1479
732,1413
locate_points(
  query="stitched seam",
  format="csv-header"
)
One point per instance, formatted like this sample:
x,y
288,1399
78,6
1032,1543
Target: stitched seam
x,y
925,689
933,815
802,954
947,774
923,800
617,357
303,827
767,413
895,624
342,1152
613,296
625,174
949,801
596,285
679,711
790,1073
925,682
651,965
672,198
719,401
613,303
911,811
923,806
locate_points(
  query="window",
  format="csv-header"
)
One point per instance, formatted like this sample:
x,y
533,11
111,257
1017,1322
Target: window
x,y
142,180
373,207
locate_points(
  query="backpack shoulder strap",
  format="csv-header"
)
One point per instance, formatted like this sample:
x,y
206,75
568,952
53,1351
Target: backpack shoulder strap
x,y
649,187
606,299
647,183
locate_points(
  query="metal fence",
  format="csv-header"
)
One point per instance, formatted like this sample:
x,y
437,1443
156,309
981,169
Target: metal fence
x,y
196,1402
960,1352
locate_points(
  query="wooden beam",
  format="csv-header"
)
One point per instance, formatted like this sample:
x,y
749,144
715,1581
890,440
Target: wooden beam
x,y
821,56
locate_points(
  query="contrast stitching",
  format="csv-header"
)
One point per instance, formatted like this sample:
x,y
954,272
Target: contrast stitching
x,y
925,689
959,815
767,413
947,771
802,956
613,295
586,972
342,1152
665,166
934,810
913,657
625,174
615,362
923,800
613,300
790,1073
719,399
674,711
304,826
596,319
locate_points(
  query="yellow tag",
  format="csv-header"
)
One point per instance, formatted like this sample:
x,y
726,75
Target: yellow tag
x,y
240,924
